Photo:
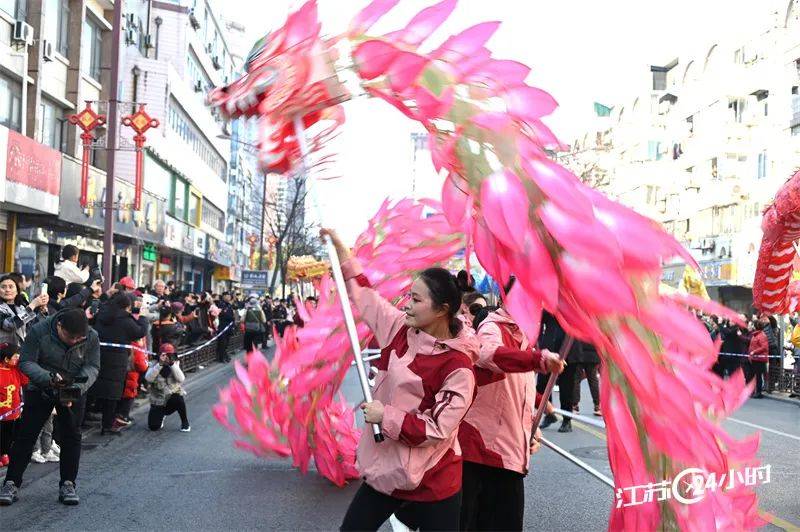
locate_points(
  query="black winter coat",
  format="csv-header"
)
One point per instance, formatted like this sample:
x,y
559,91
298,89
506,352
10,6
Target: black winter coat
x,y
732,342
552,336
120,327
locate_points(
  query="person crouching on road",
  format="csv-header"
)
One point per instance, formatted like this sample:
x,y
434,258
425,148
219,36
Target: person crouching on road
x,y
424,386
61,357
166,393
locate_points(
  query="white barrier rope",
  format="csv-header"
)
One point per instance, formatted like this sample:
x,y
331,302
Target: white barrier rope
x,y
180,355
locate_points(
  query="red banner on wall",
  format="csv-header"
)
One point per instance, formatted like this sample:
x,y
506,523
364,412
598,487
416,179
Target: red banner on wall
x,y
33,165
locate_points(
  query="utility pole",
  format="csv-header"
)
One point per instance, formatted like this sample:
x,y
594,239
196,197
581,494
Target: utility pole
x,y
111,144
263,212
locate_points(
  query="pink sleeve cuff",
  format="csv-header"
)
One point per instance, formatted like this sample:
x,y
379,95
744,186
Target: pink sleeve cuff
x,y
351,268
392,421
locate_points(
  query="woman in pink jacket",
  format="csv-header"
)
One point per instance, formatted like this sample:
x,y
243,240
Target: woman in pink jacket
x,y
495,435
424,387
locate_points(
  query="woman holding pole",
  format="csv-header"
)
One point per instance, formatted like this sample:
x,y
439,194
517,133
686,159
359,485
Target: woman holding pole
x,y
496,435
424,387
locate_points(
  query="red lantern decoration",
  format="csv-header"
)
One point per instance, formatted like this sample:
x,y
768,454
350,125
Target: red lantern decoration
x,y
140,122
87,120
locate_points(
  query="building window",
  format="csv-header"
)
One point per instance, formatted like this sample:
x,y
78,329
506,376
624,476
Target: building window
x,y
213,217
659,80
15,8
196,75
10,103
53,131
91,45
762,165
181,124
56,24
177,201
194,209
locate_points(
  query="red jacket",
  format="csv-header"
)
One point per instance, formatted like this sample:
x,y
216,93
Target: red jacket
x,y
12,380
759,347
139,364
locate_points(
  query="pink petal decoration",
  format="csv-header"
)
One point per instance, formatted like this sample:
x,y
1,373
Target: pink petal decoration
x,y
504,200
526,310
581,238
560,186
456,204
598,290
404,70
373,58
425,23
465,43
368,16
529,103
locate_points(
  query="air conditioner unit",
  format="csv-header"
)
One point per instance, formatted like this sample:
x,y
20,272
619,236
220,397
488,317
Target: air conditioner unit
x,y
131,36
23,33
149,41
198,86
130,20
193,20
47,50
209,48
216,63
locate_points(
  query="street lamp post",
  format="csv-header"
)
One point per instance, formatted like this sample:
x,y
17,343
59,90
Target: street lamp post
x,y
113,119
263,212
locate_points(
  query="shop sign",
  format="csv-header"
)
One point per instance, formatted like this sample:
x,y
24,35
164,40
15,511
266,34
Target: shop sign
x,y
255,278
149,253
33,173
719,272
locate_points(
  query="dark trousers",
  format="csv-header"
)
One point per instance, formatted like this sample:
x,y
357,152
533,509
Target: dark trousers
x,y
7,431
251,340
109,412
222,346
566,387
759,369
590,369
493,498
37,409
370,509
124,407
175,403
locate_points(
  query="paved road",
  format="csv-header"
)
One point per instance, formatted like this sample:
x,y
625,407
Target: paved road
x,y
198,481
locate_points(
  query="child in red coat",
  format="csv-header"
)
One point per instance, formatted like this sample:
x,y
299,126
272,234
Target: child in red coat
x,y
12,380
137,365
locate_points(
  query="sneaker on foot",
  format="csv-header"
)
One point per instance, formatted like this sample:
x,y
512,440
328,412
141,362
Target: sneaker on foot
x,y
9,493
566,426
597,411
185,427
548,420
55,448
67,494
38,457
50,456
121,421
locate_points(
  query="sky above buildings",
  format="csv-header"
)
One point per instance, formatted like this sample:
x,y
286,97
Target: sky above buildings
x,y
581,51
